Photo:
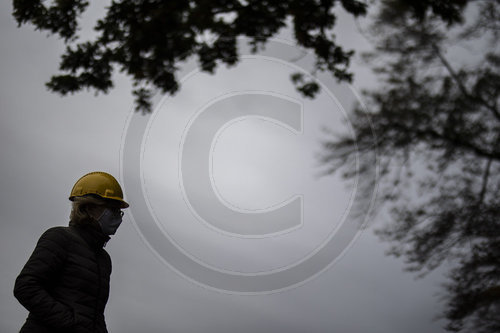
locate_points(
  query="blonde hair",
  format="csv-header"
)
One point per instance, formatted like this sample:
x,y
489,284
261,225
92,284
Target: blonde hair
x,y
79,211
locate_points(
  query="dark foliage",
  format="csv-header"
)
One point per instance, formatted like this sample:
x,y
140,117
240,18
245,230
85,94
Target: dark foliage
x,y
148,39
437,129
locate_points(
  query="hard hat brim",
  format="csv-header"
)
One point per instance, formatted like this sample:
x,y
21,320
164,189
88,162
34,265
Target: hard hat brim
x,y
120,203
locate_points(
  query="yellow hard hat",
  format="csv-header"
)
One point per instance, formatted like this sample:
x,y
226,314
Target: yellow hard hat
x,y
101,184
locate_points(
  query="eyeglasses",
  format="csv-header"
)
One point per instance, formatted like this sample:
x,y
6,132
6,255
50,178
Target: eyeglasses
x,y
116,211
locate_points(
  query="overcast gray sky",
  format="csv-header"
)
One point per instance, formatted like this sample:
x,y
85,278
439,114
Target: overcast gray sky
x,y
48,142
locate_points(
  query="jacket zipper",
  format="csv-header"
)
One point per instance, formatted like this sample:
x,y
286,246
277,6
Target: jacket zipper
x,y
98,291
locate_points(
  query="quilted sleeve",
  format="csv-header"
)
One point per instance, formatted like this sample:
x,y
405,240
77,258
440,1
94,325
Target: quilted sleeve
x,y
32,285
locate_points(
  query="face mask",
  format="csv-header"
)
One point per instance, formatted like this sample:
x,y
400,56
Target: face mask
x,y
109,221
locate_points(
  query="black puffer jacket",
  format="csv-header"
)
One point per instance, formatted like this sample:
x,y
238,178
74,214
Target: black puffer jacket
x,y
65,283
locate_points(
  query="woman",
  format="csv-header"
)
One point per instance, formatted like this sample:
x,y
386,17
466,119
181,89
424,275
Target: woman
x,y
65,283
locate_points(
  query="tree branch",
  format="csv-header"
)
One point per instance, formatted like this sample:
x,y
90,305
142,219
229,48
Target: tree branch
x,y
460,84
484,185
455,141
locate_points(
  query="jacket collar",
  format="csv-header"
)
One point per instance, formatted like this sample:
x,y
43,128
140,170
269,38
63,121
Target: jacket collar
x,y
92,235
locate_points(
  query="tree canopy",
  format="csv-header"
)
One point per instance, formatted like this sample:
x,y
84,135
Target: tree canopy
x,y
436,123
148,39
